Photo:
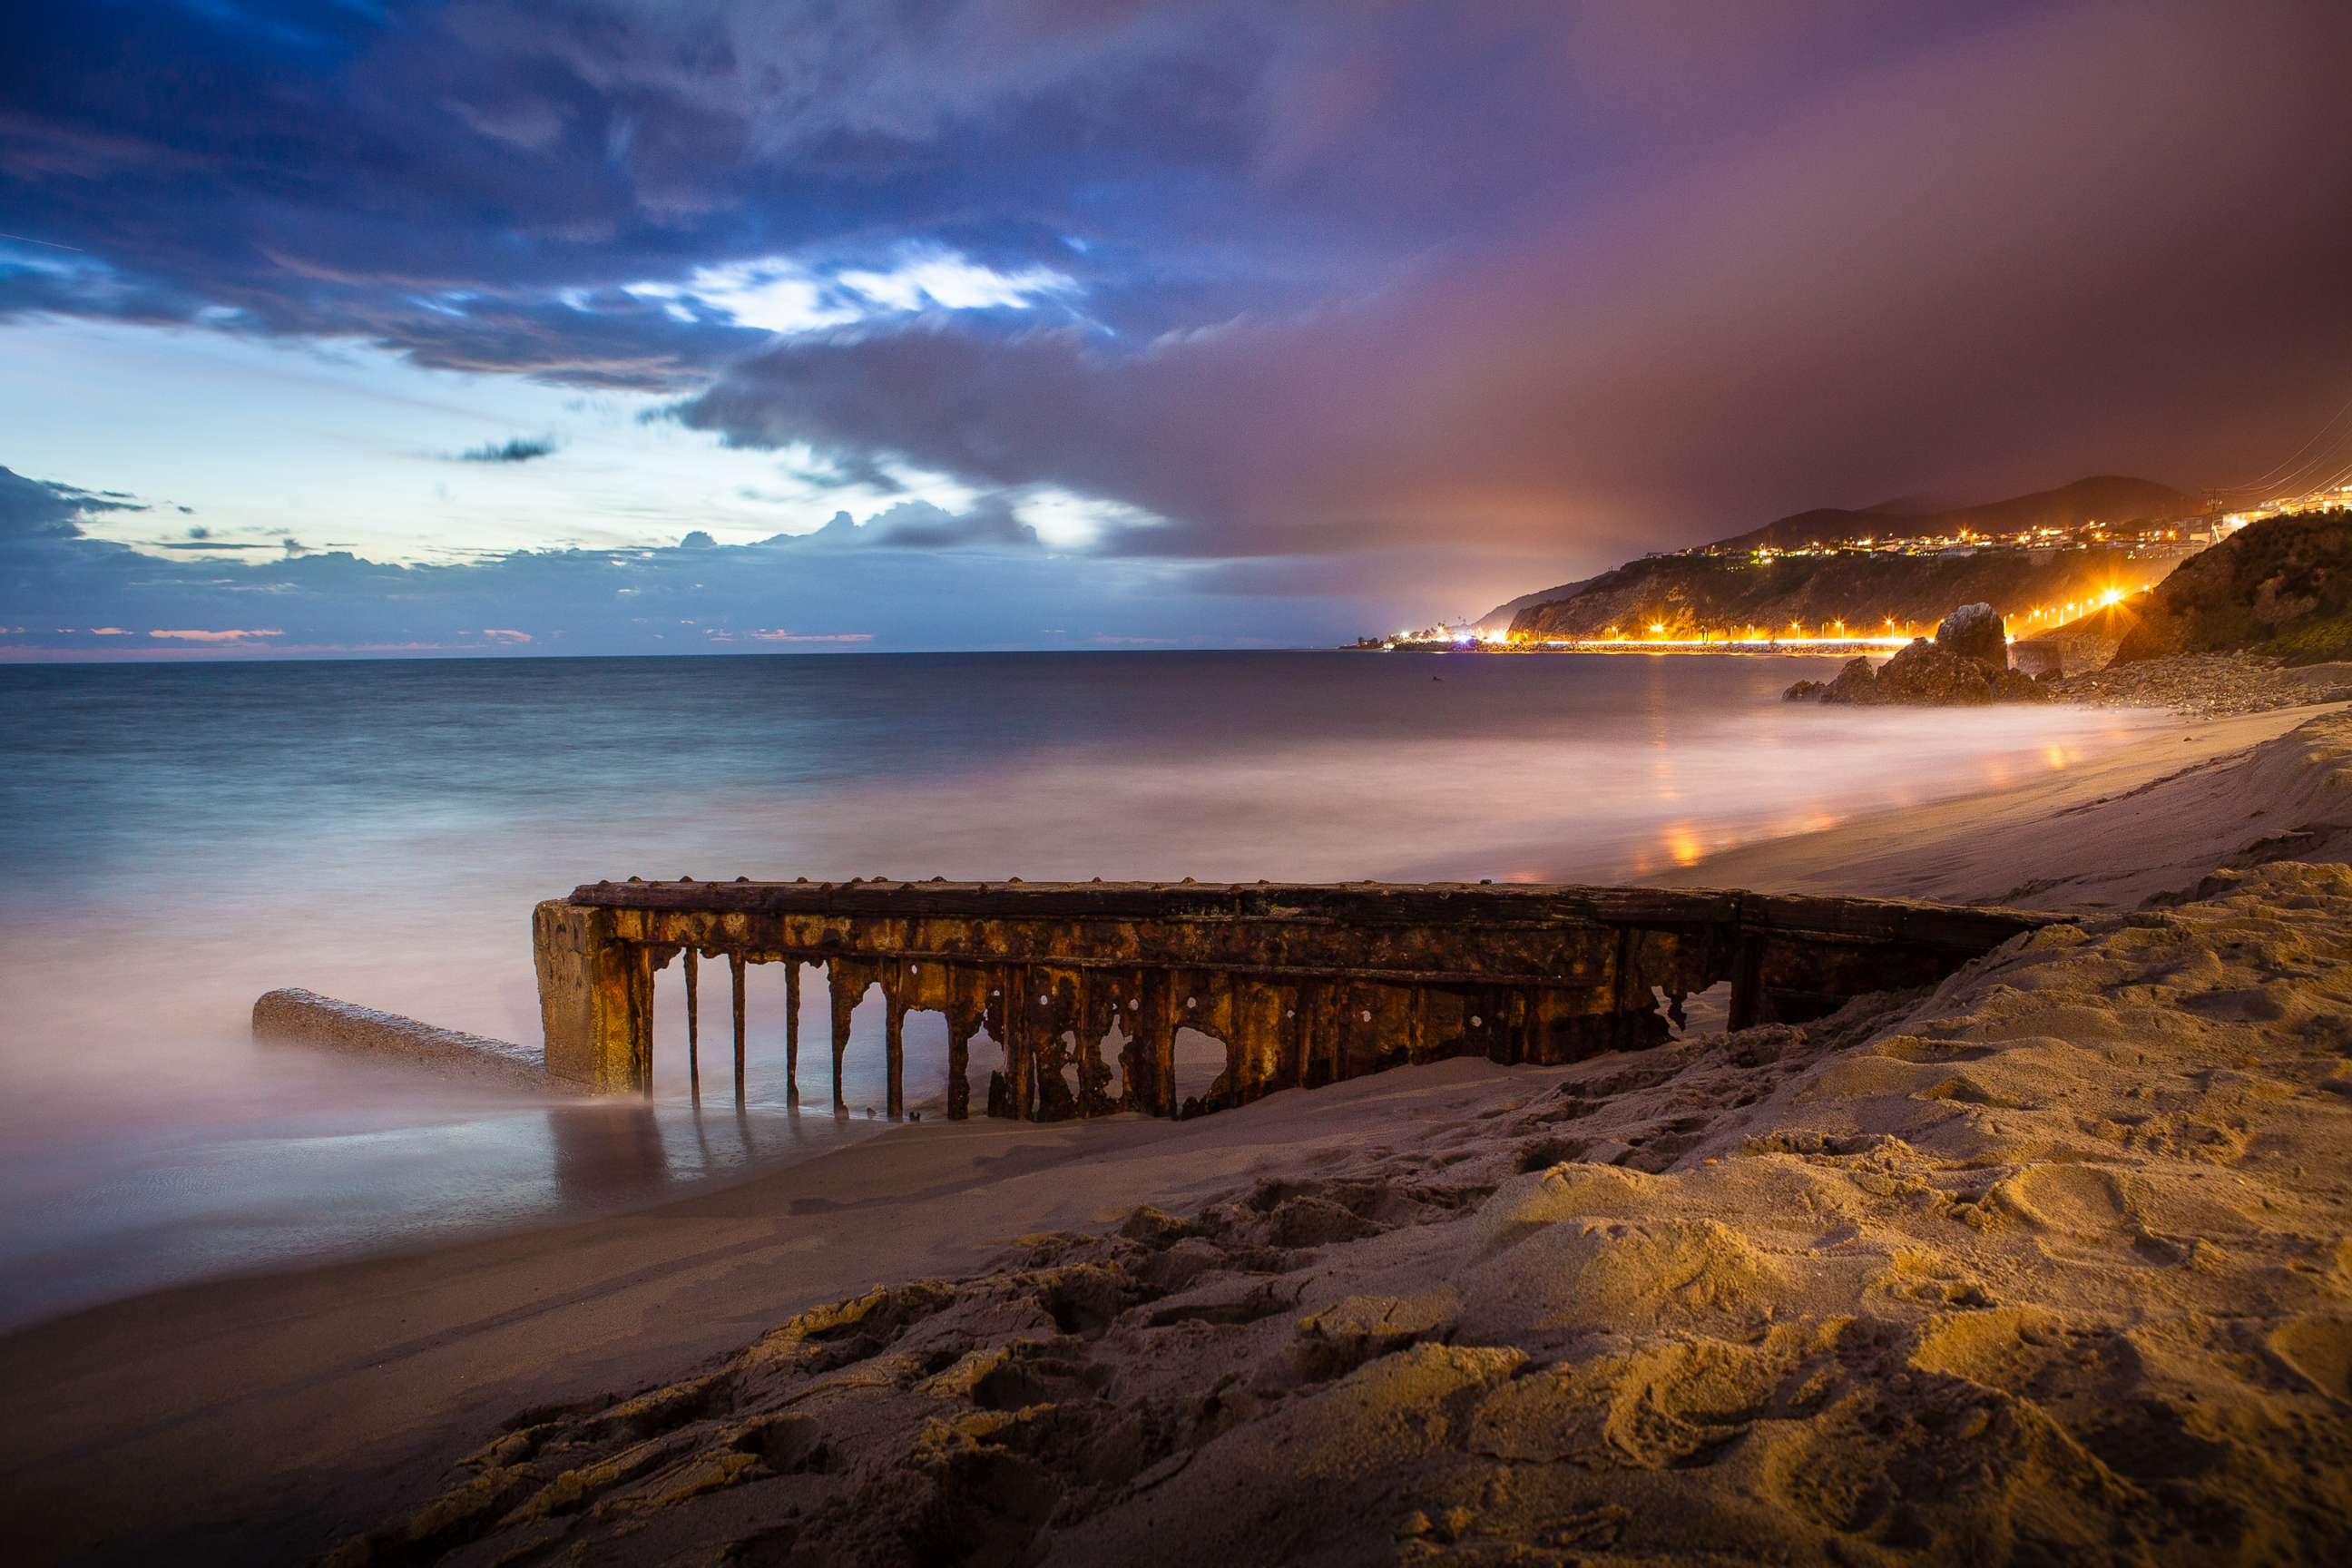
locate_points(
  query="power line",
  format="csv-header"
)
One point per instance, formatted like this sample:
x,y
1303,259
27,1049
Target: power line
x,y
2290,465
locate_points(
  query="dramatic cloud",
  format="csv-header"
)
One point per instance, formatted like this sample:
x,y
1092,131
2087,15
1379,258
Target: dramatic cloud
x,y
33,510
1410,301
2115,270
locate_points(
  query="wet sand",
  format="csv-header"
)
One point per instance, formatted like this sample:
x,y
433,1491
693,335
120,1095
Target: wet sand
x,y
2147,820
269,1417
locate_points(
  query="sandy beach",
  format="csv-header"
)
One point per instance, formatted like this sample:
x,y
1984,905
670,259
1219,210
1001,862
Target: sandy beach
x,y
2051,1260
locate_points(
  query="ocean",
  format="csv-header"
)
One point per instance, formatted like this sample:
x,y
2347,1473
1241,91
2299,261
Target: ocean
x,y
180,838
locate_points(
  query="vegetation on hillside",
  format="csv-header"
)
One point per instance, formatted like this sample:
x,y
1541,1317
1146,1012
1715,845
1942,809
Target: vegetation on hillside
x,y
2282,586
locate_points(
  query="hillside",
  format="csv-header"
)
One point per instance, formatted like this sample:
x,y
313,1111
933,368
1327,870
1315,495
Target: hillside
x,y
2282,588
2105,498
1687,593
1500,617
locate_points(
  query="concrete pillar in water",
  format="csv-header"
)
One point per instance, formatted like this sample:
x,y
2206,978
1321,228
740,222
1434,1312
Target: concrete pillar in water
x,y
893,1035
1017,1063
588,982
843,989
1162,1013
735,980
694,1021
958,1070
793,1030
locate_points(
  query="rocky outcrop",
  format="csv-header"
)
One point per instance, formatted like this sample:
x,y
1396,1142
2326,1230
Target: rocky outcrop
x,y
1974,631
1966,667
2016,686
1857,683
1928,676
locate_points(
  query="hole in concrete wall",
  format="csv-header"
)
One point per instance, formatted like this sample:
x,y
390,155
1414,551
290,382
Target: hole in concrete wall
x,y
865,1070
1113,1045
1199,1059
984,1055
673,1069
671,1075
1707,1012
925,1036
765,996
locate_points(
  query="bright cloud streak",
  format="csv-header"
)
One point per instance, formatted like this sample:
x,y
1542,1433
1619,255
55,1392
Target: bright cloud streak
x,y
1065,520
950,282
785,295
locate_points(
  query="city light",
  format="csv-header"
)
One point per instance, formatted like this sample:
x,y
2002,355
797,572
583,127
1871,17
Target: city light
x,y
1836,634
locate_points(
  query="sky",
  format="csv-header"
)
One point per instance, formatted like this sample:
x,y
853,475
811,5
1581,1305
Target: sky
x,y
657,326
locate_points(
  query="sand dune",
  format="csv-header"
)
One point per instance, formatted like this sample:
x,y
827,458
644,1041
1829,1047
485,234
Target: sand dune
x,y
2052,1262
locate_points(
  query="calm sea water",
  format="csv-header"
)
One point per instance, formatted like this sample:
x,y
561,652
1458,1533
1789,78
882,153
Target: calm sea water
x,y
179,839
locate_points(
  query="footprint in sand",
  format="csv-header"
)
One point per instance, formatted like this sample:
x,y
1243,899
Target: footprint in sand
x,y
2080,1200
2318,1351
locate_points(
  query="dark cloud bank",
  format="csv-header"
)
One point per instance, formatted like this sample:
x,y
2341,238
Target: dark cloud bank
x,y
1421,301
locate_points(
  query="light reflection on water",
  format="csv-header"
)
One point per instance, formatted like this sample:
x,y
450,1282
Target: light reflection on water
x,y
184,839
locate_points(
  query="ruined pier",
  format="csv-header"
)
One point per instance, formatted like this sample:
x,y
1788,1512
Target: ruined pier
x,y
1084,987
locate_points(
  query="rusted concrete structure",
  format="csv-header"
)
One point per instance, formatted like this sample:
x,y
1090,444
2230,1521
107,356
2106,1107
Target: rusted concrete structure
x,y
1302,984
298,1017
